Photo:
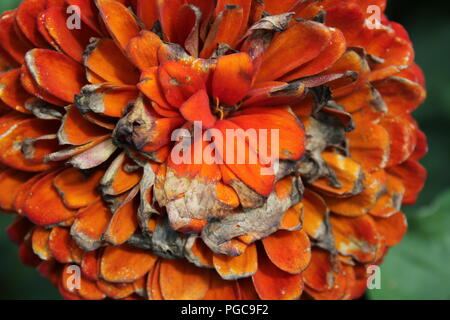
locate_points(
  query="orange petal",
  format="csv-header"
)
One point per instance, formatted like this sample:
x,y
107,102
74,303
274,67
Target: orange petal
x,y
124,221
275,7
357,237
325,278
233,268
118,179
244,4
90,225
12,92
120,22
392,228
358,99
56,73
324,60
274,93
299,44
62,246
402,134
197,109
181,280
76,188
116,291
421,146
153,286
289,250
106,60
147,11
39,240
246,289
232,78
72,42
143,50
272,283
89,265
89,290
198,253
125,264
15,131
353,64
320,274
187,26
151,87
390,202
168,10
26,17
76,130
348,173
369,145
22,193
43,205
292,219
14,46
225,29
220,289
34,89
179,82
248,173
107,100
314,214
401,95
413,176
11,180
282,131
347,17
374,187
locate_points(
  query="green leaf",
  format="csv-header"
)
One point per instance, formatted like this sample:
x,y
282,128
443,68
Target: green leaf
x,y
419,268
18,281
8,4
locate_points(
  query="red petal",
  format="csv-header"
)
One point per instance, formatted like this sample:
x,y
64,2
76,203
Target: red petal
x,y
10,40
249,173
413,176
179,82
72,42
12,92
232,78
225,29
324,60
147,11
56,73
299,44
197,108
26,19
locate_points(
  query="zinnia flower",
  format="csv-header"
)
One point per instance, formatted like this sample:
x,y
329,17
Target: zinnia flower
x,y
89,114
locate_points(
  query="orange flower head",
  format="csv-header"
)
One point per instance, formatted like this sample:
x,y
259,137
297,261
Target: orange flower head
x,y
218,149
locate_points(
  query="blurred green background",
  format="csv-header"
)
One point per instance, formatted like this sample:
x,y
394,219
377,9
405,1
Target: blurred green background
x,y
419,268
